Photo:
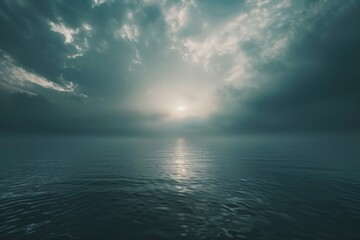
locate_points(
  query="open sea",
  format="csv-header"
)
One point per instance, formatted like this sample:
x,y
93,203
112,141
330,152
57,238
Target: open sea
x,y
103,188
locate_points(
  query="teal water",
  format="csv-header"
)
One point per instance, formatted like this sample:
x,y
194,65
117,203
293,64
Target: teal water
x,y
181,188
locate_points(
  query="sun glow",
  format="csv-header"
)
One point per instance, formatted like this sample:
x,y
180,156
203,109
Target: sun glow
x,y
192,99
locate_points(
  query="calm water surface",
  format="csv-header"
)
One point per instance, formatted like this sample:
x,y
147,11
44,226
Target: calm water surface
x,y
113,188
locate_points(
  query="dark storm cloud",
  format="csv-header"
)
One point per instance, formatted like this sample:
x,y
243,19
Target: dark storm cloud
x,y
315,87
118,67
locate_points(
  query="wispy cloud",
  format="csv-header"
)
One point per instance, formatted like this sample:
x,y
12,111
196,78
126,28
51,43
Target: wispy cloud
x,y
128,32
67,32
178,15
72,38
137,59
15,77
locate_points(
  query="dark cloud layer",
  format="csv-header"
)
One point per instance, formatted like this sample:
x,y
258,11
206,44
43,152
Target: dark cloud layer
x,y
34,114
314,88
117,67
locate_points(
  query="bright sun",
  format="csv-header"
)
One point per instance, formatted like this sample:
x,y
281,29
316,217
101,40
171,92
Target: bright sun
x,y
181,108
181,111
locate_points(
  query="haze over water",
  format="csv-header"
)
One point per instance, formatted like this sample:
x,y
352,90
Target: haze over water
x,y
181,188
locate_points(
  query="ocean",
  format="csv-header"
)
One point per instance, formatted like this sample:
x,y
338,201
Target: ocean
x,y
268,188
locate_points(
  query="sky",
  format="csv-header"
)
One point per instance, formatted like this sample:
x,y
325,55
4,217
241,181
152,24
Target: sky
x,y
145,67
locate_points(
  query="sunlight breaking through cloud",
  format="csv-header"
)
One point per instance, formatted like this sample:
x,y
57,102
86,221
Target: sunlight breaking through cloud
x,y
229,63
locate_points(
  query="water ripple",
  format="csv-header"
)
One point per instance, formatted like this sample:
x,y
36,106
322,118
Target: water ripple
x,y
175,190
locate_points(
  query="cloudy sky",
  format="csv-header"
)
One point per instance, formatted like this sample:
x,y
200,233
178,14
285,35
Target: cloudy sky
x,y
168,67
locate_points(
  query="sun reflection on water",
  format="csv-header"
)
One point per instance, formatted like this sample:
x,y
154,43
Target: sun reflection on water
x,y
180,162
188,165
